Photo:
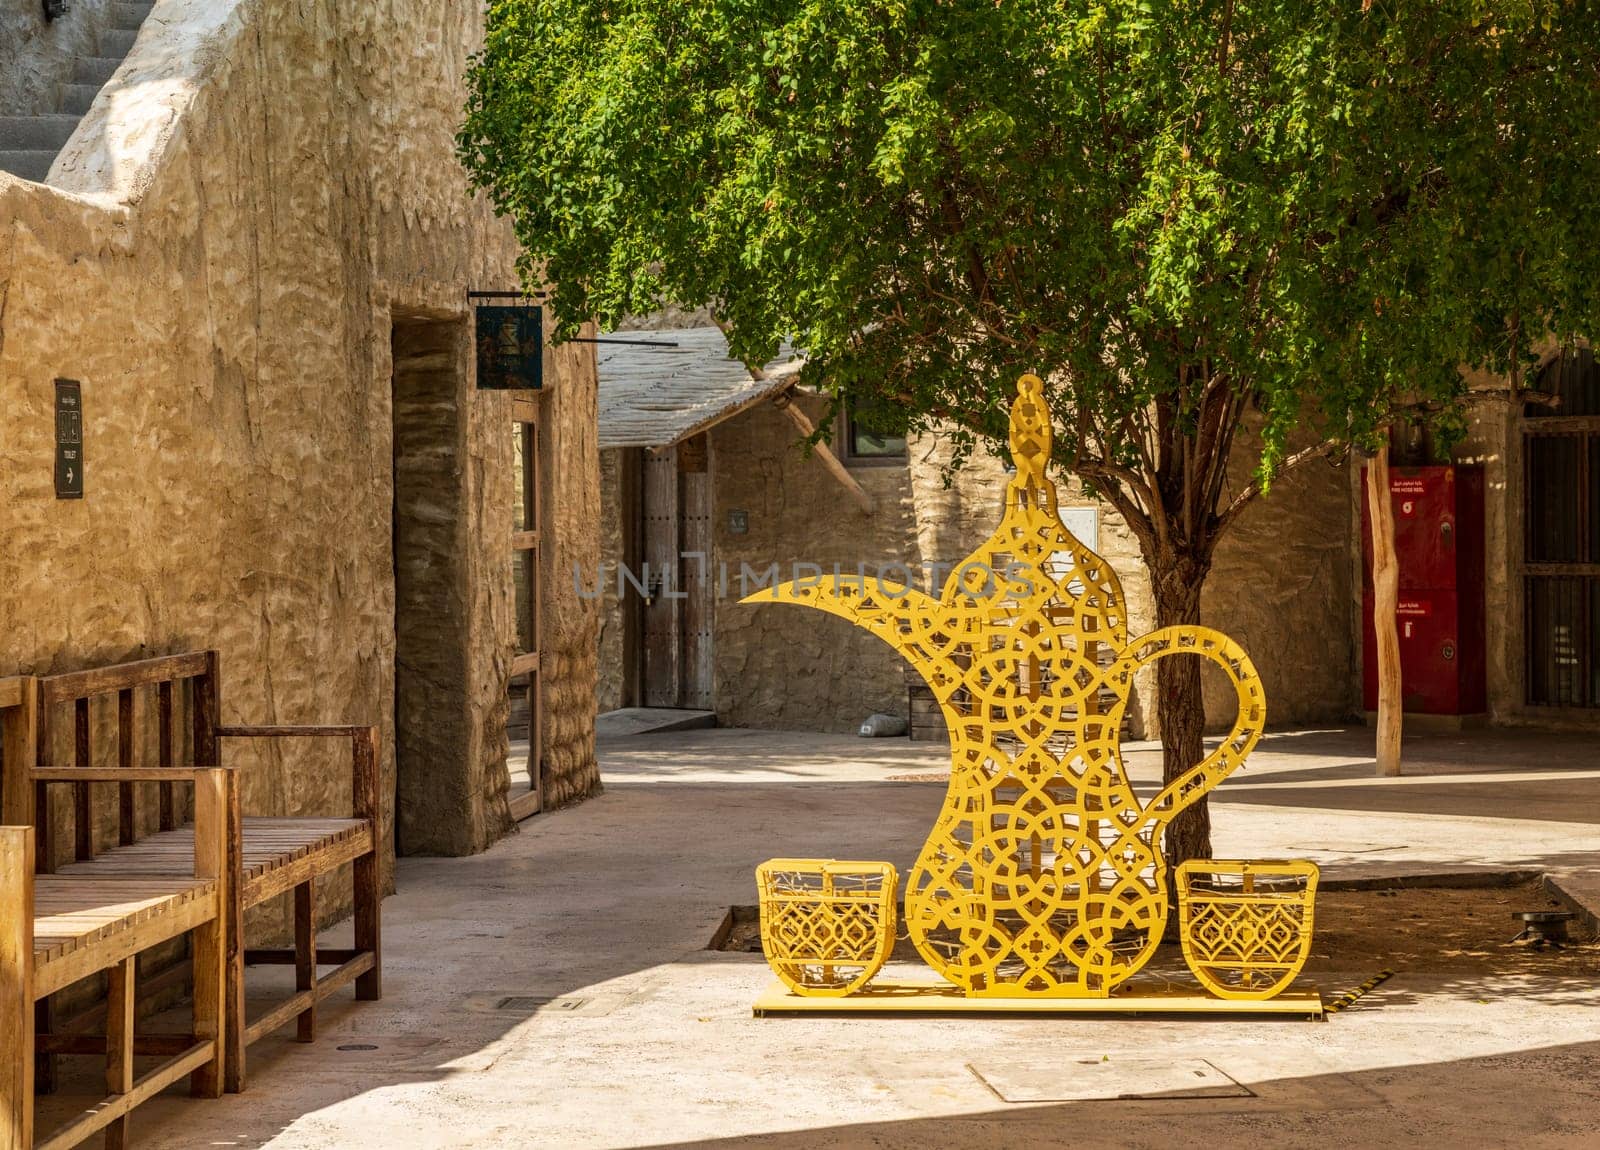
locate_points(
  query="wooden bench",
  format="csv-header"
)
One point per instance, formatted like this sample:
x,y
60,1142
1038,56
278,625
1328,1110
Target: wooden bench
x,y
266,856
57,930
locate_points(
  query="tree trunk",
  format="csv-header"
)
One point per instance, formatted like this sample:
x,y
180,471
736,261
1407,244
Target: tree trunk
x,y
1180,708
1385,600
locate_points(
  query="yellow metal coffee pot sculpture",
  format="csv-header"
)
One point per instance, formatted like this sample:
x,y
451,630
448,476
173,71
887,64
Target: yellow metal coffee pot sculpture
x,y
1043,876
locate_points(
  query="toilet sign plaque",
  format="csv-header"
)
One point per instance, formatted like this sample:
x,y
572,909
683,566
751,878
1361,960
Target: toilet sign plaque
x,y
69,439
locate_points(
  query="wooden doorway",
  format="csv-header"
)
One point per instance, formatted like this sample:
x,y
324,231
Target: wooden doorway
x,y
678,573
434,767
525,731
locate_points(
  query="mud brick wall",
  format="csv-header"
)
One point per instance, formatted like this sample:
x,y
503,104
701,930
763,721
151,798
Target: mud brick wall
x,y
259,202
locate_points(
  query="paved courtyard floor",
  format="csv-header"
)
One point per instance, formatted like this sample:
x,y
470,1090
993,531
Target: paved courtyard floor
x,y
629,1033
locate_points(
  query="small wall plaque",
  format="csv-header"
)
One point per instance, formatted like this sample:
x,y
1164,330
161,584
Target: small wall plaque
x,y
738,522
1084,523
69,439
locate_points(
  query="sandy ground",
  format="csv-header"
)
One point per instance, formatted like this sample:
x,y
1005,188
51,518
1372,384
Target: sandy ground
x,y
557,990
1424,931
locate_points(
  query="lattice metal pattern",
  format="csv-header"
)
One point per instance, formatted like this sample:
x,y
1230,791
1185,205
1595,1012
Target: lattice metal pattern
x,y
1043,873
827,927
1246,926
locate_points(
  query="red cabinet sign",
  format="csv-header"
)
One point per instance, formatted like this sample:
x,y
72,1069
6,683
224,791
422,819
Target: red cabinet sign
x,y
1438,528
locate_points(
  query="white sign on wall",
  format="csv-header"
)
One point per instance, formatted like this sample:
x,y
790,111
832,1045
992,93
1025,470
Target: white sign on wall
x,y
1084,523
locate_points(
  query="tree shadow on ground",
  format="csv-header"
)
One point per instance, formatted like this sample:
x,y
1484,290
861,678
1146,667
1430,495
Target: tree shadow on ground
x,y
1544,1098
588,902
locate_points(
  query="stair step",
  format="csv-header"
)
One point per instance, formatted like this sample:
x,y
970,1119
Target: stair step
x,y
31,133
129,16
30,165
76,98
117,42
94,69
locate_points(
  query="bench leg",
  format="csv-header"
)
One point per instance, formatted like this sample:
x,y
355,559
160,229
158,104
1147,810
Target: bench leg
x,y
368,873
369,899
215,941
233,1030
305,956
119,1045
16,988
211,1019
44,1065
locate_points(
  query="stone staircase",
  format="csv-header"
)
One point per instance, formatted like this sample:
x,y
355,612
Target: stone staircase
x,y
28,144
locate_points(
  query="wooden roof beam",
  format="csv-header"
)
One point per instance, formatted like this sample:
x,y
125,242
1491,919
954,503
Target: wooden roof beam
x,y
784,402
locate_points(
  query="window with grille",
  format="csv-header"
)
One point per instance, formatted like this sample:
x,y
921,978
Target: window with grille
x,y
865,439
1561,541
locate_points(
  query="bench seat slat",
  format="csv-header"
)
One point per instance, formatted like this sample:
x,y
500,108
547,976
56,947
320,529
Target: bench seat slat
x,y
270,844
82,924
70,912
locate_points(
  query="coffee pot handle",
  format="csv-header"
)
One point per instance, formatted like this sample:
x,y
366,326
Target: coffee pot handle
x,y
1247,725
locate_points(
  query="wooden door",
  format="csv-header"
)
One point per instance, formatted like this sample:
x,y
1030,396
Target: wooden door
x,y
694,478
678,576
662,604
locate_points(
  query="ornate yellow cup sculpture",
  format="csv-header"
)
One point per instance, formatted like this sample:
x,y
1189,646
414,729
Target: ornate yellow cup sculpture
x,y
1044,875
826,927
1246,924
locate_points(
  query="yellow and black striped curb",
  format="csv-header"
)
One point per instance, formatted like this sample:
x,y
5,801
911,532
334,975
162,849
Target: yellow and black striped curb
x,y
1349,997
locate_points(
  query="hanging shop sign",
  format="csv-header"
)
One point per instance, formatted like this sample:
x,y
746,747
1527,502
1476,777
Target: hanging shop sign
x,y
510,340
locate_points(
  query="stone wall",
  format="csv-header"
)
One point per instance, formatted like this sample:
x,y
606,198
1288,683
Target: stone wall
x,y
230,239
785,666
612,672
36,54
570,526
1280,586
1494,442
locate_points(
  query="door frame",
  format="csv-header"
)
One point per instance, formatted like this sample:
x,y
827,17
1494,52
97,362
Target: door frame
x,y
526,548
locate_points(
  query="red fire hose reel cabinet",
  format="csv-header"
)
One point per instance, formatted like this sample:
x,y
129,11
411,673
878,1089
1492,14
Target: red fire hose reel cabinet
x,y
1438,528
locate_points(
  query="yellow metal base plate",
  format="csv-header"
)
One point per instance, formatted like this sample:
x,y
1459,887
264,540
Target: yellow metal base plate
x,y
887,996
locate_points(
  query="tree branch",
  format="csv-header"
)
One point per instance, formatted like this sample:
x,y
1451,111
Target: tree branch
x,y
1242,500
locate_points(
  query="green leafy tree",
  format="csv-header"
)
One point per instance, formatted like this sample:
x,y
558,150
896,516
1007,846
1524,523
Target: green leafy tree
x,y
1232,236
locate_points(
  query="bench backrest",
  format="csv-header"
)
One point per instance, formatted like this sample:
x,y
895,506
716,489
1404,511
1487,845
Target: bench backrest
x,y
183,691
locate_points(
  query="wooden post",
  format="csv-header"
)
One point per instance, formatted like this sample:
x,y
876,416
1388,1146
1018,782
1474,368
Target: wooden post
x,y
206,705
119,1045
19,736
233,1031
784,402
127,756
16,987
1385,602
368,805
207,713
82,796
27,741
305,956
44,838
169,818
212,1021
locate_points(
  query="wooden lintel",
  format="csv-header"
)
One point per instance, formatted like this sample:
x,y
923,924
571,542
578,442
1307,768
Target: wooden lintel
x,y
784,402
